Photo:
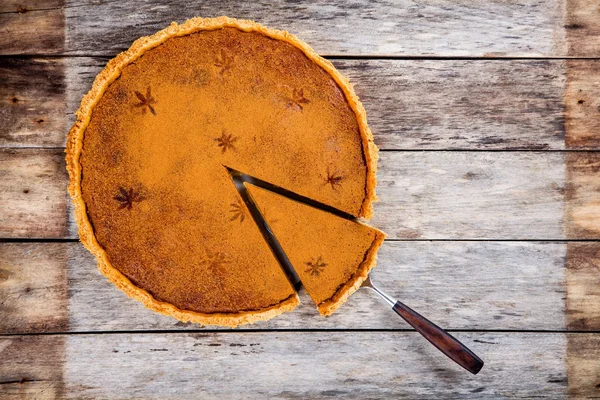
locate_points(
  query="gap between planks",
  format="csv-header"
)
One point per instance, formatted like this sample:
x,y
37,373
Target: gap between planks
x,y
390,240
387,150
288,330
340,57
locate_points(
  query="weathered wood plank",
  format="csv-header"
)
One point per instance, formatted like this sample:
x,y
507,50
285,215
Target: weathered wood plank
x,y
32,102
35,368
34,287
582,279
25,6
39,32
472,195
583,353
434,27
501,104
291,365
460,285
582,203
424,195
581,194
33,199
583,27
412,104
582,105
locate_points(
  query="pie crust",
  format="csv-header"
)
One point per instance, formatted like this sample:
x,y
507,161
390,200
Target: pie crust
x,y
75,144
328,306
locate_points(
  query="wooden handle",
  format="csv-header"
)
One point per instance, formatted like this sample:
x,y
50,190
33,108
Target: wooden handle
x,y
446,343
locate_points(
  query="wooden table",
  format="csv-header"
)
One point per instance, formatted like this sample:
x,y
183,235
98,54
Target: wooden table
x,y
488,120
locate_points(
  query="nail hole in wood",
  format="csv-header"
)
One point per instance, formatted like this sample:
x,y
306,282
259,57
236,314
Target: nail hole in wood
x,y
4,275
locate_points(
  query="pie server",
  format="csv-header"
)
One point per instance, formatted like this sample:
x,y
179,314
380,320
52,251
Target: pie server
x,y
446,343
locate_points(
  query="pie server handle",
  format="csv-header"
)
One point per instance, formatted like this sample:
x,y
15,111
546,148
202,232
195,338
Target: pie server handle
x,y
446,343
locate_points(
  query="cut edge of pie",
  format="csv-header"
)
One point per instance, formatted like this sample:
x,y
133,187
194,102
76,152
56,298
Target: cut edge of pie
x,y
75,145
341,295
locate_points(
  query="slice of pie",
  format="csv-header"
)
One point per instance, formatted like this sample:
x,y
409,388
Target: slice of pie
x,y
331,255
147,156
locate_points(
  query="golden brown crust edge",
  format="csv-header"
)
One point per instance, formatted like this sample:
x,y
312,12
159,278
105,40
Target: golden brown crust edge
x,y
231,320
75,144
327,307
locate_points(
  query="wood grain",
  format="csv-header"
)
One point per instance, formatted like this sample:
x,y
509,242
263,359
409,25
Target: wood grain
x,y
34,289
39,32
582,203
32,368
459,285
414,104
450,104
33,198
583,366
582,279
582,27
32,102
433,27
24,6
471,195
292,365
582,104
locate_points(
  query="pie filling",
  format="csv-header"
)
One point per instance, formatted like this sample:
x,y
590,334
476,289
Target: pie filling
x,y
239,180
288,193
145,158
331,255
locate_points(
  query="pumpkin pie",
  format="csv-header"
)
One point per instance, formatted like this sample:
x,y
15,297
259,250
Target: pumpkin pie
x,y
331,255
147,162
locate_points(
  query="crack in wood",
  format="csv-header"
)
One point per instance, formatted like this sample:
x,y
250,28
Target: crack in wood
x,y
23,381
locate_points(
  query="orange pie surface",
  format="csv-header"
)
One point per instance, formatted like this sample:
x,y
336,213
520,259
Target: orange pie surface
x,y
147,156
331,255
